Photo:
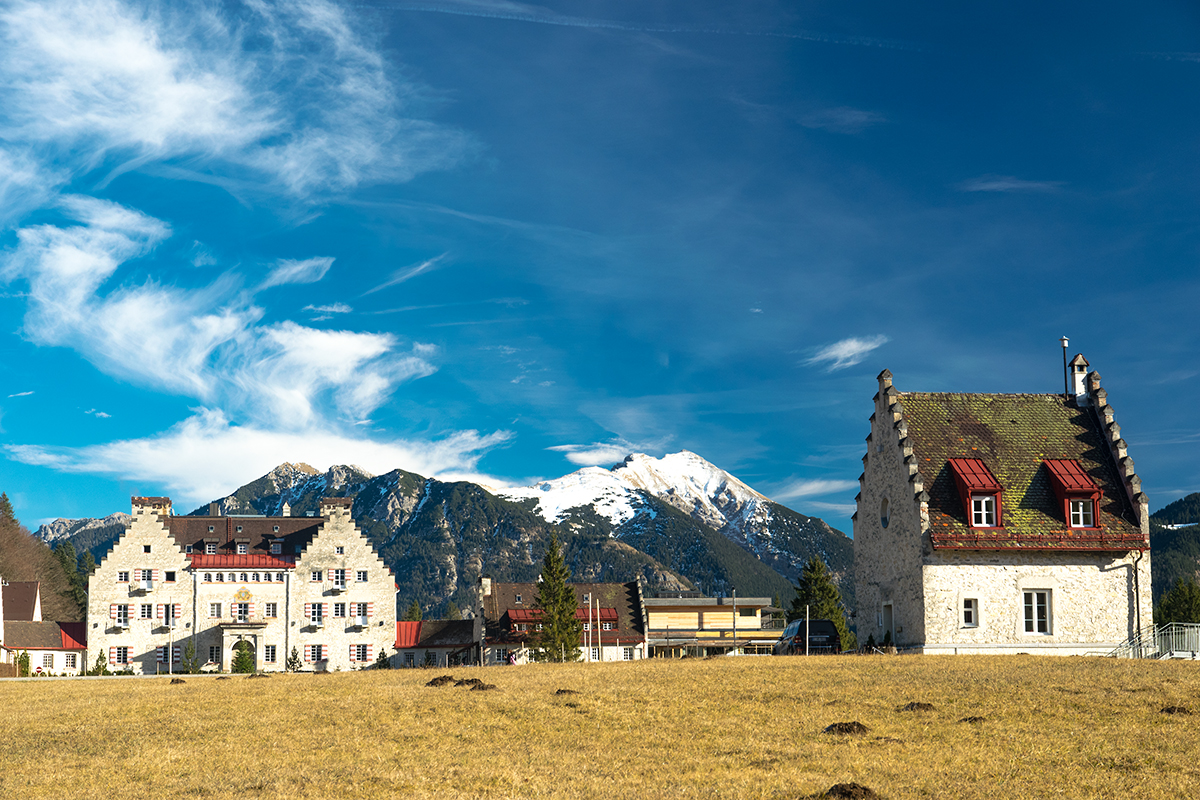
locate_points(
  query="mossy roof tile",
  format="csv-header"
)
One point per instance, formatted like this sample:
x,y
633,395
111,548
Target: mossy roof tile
x,y
1014,434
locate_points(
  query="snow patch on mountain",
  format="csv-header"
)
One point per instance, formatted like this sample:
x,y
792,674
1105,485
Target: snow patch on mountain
x,y
601,489
65,528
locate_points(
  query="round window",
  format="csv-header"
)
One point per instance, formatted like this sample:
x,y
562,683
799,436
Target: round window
x,y
883,512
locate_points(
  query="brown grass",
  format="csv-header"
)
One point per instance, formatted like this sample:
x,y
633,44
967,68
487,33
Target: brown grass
x,y
728,728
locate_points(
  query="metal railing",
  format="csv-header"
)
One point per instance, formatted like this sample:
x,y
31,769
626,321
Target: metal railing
x,y
1176,640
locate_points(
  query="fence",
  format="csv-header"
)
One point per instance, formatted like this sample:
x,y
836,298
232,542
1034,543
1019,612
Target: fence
x,y
8,670
1177,640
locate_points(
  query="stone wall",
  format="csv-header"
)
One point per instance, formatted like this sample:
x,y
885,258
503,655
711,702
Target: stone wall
x,y
888,559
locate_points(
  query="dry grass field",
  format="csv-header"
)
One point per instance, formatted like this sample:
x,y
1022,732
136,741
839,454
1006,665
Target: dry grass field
x,y
727,728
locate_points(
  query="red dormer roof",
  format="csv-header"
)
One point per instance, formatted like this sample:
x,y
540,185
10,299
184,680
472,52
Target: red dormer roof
x,y
248,561
1070,478
974,475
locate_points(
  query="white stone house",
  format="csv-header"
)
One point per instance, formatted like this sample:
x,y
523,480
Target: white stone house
x,y
1000,523
267,584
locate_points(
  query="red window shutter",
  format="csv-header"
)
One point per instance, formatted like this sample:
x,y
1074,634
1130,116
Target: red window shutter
x,y
321,651
308,652
112,655
178,611
370,652
137,575
354,652
324,609
159,608
250,609
154,575
112,611
370,609
308,610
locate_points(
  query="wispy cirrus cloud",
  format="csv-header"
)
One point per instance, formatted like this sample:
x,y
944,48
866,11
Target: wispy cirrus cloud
x,y
308,270
812,488
21,394
596,454
332,308
1007,183
291,92
847,352
408,273
842,119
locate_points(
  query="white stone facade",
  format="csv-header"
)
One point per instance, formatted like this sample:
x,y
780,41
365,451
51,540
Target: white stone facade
x,y
979,599
158,590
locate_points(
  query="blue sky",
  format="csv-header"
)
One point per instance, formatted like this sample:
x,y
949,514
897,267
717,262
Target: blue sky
x,y
500,241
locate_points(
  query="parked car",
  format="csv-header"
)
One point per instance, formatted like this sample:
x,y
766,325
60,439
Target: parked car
x,y
822,635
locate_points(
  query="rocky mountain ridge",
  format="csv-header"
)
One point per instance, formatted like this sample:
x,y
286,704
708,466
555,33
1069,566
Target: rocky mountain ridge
x,y
674,523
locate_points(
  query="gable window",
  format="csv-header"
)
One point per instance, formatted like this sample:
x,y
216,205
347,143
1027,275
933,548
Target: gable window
x,y
361,576
979,491
169,576
145,548
983,511
1037,611
122,577
339,551
970,613
316,576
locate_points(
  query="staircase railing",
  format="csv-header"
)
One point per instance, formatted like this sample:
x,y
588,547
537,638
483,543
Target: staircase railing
x,y
1178,639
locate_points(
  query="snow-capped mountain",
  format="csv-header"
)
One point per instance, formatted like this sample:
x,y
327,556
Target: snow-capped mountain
x,y
674,523
60,528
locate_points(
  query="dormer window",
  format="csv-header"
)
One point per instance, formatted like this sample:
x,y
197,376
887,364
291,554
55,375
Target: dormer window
x,y
1076,492
242,548
983,511
276,548
210,548
979,491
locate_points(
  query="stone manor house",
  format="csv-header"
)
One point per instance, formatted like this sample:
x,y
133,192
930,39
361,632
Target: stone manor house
x,y
227,583
1001,523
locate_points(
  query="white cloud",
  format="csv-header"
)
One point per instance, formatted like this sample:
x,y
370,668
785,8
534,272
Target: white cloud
x,y
332,308
812,488
598,454
98,414
290,91
843,509
204,343
205,456
21,394
842,119
847,352
1007,183
405,273
310,270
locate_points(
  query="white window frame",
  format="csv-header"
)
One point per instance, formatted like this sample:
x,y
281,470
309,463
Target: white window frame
x,y
271,610
122,654
214,653
214,610
595,654
242,548
276,548
1037,612
360,576
48,660
145,611
269,653
338,577
612,626
1082,513
969,612
627,654
339,610
315,576
71,660
122,576
983,511
360,653
123,615
210,548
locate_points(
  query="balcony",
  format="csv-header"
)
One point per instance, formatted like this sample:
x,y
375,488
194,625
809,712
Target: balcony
x,y
337,588
359,622
141,587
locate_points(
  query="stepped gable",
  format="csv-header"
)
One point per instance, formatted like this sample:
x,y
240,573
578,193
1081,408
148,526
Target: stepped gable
x,y
1019,438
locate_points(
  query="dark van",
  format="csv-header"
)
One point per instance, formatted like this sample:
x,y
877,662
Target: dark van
x,y
823,638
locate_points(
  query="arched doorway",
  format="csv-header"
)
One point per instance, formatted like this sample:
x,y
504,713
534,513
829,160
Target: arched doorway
x,y
243,657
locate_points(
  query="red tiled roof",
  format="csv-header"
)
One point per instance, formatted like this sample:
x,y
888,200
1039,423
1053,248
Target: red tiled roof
x,y
535,614
407,633
974,474
22,635
253,560
1070,475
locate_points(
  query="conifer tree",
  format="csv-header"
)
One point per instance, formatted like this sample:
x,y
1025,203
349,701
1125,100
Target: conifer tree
x,y
293,663
559,637
818,591
243,658
413,614
452,611
1180,604
6,510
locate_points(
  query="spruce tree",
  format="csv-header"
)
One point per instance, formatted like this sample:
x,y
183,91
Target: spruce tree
x,y
1180,604
559,637
293,663
452,611
818,591
413,614
243,659
6,510
190,663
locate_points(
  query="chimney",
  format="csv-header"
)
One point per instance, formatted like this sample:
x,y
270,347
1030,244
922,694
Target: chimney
x,y
1077,371
286,511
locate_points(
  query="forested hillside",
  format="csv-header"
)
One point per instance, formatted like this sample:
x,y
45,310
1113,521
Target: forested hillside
x,y
24,557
